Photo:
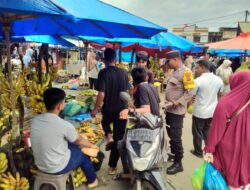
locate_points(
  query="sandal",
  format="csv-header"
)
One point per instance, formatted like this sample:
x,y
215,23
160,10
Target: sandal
x,y
119,176
99,182
112,171
109,145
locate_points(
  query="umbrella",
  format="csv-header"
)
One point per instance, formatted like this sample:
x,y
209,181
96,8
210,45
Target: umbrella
x,y
100,19
241,42
229,52
160,42
94,18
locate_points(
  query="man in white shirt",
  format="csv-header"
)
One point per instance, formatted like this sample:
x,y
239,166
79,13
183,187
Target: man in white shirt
x,y
208,87
55,142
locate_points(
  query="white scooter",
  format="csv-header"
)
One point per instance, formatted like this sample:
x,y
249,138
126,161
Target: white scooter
x,y
145,148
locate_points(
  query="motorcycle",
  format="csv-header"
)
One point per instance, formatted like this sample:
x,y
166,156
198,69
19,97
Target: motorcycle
x,y
145,150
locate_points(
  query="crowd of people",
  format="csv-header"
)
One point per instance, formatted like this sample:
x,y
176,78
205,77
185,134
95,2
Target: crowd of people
x,y
221,110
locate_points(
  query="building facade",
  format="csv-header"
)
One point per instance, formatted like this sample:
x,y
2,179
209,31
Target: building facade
x,y
193,33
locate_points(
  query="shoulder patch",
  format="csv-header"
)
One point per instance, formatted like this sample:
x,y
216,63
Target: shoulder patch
x,y
188,79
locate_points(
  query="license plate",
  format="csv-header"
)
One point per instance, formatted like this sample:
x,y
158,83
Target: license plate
x,y
140,135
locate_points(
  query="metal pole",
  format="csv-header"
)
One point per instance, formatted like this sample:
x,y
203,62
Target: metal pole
x,y
86,44
120,52
247,13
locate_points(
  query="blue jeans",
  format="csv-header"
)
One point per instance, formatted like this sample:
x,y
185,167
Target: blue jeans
x,y
77,158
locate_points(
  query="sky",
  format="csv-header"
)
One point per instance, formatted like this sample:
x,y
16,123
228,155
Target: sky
x,y
176,13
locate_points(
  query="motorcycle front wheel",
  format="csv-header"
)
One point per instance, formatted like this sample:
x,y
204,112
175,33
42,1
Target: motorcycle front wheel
x,y
143,185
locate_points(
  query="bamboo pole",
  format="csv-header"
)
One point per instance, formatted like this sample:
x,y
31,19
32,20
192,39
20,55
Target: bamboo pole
x,y
15,128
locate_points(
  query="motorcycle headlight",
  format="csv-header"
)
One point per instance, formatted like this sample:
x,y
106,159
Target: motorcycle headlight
x,y
140,164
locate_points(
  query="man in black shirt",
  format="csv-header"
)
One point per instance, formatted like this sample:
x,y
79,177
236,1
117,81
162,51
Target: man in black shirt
x,y
111,81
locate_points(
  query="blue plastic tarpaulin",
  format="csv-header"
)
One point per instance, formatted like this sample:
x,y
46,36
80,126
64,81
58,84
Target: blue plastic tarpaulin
x,y
158,41
126,56
94,18
34,7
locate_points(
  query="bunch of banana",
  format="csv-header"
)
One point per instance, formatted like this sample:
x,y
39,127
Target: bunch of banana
x,y
79,177
53,72
18,89
94,160
4,116
35,91
123,66
3,162
9,182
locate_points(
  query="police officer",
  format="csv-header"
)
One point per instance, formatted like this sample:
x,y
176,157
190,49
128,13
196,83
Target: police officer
x,y
142,60
178,94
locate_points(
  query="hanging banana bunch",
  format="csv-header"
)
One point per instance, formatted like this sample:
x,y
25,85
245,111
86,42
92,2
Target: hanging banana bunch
x,y
18,90
3,162
35,90
53,72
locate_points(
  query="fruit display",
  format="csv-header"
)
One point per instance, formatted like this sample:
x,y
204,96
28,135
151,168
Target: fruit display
x,y
88,92
94,134
66,86
3,162
79,177
9,182
18,90
36,90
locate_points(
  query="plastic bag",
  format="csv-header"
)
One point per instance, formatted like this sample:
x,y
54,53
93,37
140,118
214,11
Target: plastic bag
x,y
71,109
198,177
213,179
81,117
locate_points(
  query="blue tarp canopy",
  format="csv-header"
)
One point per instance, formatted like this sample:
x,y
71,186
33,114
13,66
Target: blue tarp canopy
x,y
42,39
94,18
34,7
158,41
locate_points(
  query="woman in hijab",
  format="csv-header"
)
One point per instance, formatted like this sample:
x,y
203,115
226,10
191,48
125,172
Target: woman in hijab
x,y
228,143
27,58
224,72
92,66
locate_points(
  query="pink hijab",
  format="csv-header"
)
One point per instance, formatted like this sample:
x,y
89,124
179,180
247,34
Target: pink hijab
x,y
230,143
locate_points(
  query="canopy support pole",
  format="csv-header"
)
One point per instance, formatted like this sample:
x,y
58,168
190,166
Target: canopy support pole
x,y
245,55
120,52
86,44
15,128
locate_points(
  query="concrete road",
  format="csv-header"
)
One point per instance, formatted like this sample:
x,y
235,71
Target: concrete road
x,y
181,181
